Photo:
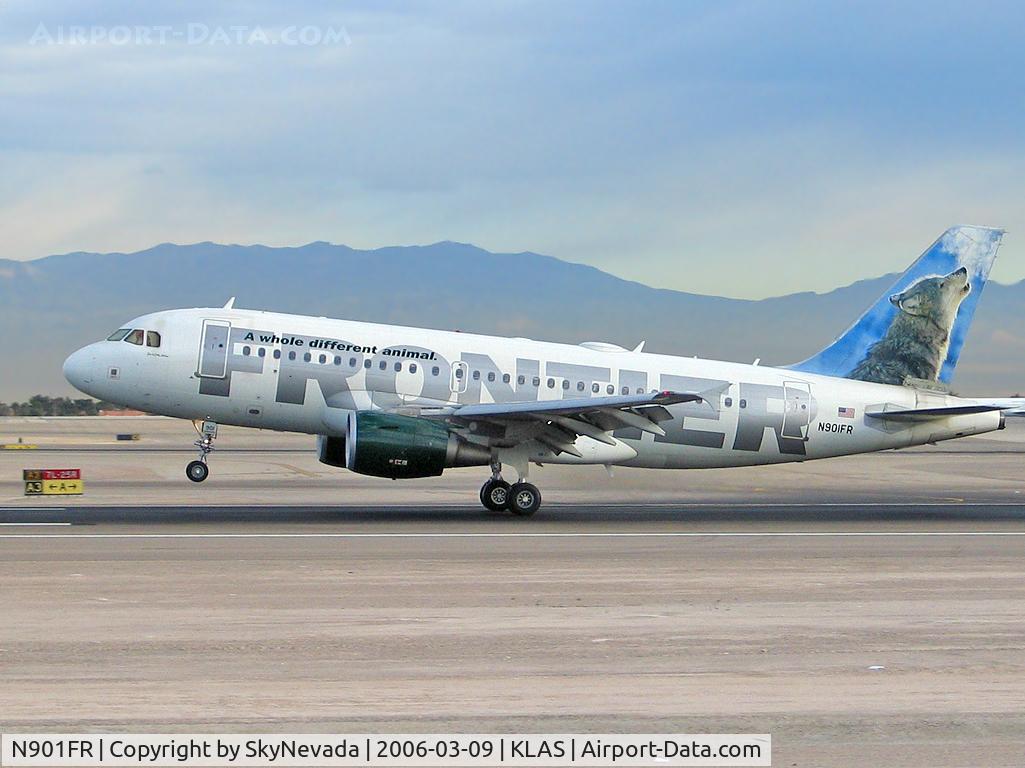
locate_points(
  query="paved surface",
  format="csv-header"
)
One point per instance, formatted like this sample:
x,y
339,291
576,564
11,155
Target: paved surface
x,y
258,468
866,611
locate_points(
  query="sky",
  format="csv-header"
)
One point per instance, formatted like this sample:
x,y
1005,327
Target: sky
x,y
741,149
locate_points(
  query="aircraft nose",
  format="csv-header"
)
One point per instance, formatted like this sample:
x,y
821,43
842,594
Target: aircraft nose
x,y
79,367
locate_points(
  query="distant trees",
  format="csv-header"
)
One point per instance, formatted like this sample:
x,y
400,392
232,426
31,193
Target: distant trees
x,y
41,405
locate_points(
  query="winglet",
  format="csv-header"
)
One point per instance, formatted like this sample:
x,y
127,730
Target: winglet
x,y
230,303
639,347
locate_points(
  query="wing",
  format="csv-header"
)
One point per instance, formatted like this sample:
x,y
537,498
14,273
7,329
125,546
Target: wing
x,y
557,424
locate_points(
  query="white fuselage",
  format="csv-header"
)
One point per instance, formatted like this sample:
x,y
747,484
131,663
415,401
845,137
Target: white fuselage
x,y
306,374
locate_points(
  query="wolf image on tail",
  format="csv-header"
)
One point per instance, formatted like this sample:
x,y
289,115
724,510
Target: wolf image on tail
x,y
917,340
915,331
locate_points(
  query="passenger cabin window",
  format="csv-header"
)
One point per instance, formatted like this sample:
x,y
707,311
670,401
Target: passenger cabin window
x,y
521,380
506,378
491,375
277,354
412,367
435,371
596,387
611,389
152,339
580,386
135,337
119,334
246,351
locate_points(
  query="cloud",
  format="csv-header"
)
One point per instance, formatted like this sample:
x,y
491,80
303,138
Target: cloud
x,y
745,149
974,247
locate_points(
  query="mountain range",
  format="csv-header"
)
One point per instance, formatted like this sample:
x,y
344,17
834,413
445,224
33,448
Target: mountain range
x,y
53,305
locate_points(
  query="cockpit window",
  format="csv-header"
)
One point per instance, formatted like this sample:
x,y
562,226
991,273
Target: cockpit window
x,y
135,337
119,334
152,339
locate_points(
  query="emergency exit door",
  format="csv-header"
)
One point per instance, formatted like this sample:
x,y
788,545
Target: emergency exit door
x,y
796,409
460,371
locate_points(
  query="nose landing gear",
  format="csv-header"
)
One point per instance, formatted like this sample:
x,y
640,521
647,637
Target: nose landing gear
x,y
197,471
520,498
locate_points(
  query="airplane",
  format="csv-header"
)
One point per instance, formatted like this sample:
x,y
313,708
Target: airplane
x,y
403,402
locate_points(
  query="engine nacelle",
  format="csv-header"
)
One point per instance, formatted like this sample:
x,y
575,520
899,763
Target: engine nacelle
x,y
331,450
394,446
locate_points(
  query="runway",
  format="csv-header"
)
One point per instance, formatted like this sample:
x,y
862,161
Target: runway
x,y
854,634
580,520
862,618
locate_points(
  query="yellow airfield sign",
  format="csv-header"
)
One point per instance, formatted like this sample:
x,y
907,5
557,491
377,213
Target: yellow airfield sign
x,y
53,482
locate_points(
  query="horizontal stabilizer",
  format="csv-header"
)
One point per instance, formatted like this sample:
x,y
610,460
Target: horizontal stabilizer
x,y
1011,406
928,414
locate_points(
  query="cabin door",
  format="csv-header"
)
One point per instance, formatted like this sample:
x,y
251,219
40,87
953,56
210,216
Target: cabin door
x,y
213,349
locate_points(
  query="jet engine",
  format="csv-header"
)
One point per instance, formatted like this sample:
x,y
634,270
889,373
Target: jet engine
x,y
394,446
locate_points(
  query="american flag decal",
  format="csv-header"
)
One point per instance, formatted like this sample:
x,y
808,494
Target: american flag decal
x,y
845,413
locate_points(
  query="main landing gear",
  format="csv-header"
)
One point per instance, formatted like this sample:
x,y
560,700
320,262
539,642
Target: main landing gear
x,y
520,498
197,471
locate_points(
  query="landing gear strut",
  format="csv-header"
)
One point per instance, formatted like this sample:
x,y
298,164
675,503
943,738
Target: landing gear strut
x,y
197,471
521,498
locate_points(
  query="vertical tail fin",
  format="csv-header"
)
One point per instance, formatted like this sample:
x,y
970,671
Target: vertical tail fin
x,y
916,330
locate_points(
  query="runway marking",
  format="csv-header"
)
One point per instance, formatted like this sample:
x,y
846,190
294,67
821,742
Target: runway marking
x,y
787,504
297,470
554,505
520,535
32,509
14,525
